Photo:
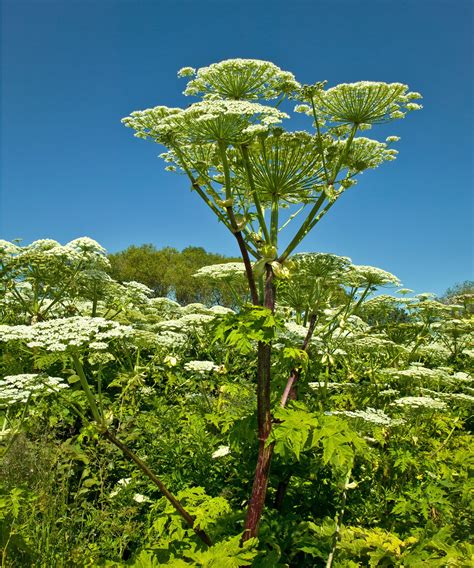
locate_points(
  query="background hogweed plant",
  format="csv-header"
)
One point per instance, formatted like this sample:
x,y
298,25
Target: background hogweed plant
x,y
356,392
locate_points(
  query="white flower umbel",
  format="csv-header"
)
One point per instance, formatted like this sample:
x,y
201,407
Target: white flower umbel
x,y
240,79
221,310
67,333
373,415
293,329
228,271
171,340
203,122
463,377
194,308
18,388
162,307
455,396
186,72
315,385
135,293
84,249
420,373
139,498
201,367
365,102
371,343
360,276
187,323
221,452
320,264
8,249
420,403
365,153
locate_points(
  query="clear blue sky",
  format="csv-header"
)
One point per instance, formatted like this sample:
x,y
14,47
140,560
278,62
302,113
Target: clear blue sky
x,y
72,69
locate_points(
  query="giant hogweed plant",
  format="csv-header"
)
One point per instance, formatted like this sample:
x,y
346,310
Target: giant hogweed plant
x,y
45,280
260,179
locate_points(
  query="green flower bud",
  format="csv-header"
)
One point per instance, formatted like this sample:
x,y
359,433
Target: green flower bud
x,y
269,252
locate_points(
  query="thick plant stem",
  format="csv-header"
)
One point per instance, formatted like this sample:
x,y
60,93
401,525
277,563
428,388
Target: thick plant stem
x,y
171,498
247,263
262,470
281,493
87,390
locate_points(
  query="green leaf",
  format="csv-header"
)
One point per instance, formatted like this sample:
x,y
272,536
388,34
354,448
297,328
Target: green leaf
x,y
73,379
292,433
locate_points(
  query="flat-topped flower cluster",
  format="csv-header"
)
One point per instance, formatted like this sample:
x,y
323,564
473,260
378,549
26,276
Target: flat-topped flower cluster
x,y
67,333
83,249
19,388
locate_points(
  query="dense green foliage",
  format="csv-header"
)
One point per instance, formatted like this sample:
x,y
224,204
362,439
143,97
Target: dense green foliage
x,y
376,449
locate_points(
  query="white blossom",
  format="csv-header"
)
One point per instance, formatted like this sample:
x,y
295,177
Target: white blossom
x,y
139,498
359,275
203,122
64,333
221,452
201,367
241,79
420,402
315,385
171,339
221,310
186,72
364,102
296,330
376,416
18,388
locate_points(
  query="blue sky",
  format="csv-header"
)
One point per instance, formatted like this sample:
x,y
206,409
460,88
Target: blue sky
x,y
72,69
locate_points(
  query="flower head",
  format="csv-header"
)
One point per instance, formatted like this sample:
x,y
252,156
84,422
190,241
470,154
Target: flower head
x,y
225,121
18,388
365,102
67,333
201,367
221,452
360,276
240,79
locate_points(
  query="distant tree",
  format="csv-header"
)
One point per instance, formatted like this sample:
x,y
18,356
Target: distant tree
x,y
169,272
458,289
145,264
461,293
